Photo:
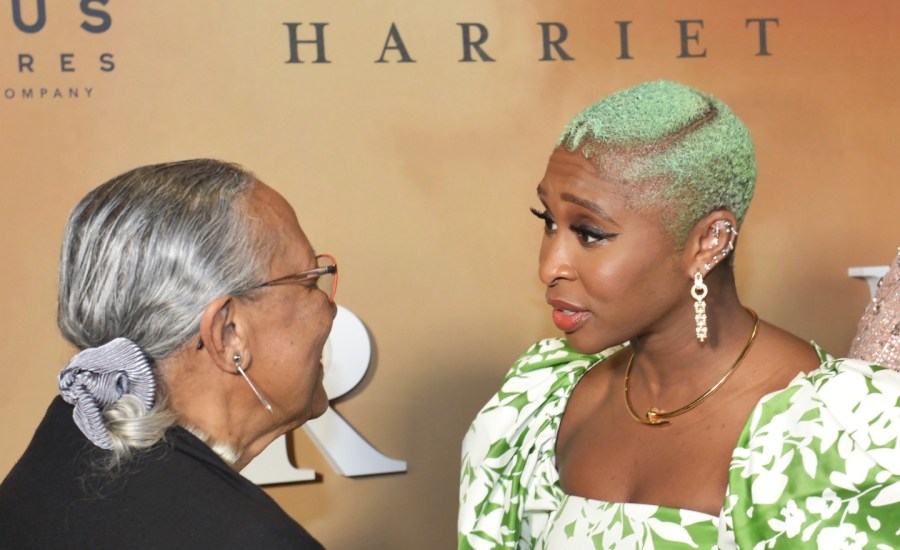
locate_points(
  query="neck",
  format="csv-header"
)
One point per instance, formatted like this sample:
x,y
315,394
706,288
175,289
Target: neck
x,y
229,454
669,361
220,410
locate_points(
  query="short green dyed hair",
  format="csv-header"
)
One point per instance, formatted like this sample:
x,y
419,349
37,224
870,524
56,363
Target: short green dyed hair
x,y
687,151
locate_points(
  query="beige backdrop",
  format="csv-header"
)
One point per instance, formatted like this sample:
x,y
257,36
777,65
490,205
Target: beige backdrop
x,y
418,176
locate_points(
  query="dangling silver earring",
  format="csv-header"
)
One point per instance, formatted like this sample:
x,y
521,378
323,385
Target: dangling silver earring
x,y
237,365
699,291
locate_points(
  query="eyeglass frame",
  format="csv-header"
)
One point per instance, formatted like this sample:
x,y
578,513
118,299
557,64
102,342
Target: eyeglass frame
x,y
306,275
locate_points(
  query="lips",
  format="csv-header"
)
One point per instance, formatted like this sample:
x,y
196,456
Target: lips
x,y
567,317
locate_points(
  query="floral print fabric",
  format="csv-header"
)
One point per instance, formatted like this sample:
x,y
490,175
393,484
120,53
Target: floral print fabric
x,y
817,466
818,463
585,524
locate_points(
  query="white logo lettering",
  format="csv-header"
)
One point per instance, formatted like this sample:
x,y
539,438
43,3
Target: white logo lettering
x,y
346,359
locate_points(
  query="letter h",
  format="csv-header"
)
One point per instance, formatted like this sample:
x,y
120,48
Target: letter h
x,y
294,42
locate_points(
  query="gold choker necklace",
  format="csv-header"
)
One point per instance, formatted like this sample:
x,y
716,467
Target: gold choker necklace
x,y
656,417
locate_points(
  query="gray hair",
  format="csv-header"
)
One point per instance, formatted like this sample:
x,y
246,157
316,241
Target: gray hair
x,y
142,257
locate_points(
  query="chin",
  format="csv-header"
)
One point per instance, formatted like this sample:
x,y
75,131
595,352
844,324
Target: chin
x,y
319,410
320,403
585,344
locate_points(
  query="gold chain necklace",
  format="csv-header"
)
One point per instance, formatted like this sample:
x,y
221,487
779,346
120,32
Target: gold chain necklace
x,y
656,417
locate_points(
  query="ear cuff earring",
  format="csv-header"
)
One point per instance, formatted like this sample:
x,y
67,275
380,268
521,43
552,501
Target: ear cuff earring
x,y
237,365
721,254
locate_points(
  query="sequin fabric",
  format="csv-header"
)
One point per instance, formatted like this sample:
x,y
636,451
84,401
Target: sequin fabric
x,y
878,335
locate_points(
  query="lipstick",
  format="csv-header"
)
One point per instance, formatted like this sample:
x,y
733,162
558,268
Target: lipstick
x,y
567,317
569,321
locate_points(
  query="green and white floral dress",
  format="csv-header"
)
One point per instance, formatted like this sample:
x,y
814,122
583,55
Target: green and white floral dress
x,y
816,466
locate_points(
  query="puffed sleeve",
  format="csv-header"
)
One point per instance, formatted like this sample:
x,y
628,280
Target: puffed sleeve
x,y
508,481
818,464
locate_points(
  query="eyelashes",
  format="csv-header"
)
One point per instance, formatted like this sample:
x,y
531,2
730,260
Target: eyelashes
x,y
587,235
591,235
549,222
542,214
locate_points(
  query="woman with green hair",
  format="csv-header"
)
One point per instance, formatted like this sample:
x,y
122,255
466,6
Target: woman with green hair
x,y
670,416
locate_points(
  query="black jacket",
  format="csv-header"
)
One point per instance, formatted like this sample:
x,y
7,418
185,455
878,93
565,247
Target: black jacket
x,y
179,494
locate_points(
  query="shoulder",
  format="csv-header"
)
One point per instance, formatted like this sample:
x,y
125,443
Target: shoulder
x,y
201,505
171,496
549,360
508,475
202,502
780,351
545,373
847,398
861,401
43,481
819,456
846,394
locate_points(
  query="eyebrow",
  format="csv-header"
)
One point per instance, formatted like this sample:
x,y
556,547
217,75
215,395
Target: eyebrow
x,y
584,203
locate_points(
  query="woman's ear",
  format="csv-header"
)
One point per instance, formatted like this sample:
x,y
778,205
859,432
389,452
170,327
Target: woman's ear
x,y
221,334
710,242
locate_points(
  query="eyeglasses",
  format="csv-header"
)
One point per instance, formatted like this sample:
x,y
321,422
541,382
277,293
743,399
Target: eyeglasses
x,y
325,276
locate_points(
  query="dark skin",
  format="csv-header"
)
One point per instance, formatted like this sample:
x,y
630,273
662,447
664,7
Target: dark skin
x,y
614,267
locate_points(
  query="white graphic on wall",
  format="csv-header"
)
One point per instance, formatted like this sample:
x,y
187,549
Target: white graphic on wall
x,y
871,275
346,359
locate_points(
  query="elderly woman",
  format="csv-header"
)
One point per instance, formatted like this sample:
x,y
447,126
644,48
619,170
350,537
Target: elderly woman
x,y
201,311
633,431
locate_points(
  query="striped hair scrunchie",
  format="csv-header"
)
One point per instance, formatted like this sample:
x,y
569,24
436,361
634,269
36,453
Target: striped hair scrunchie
x,y
97,377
